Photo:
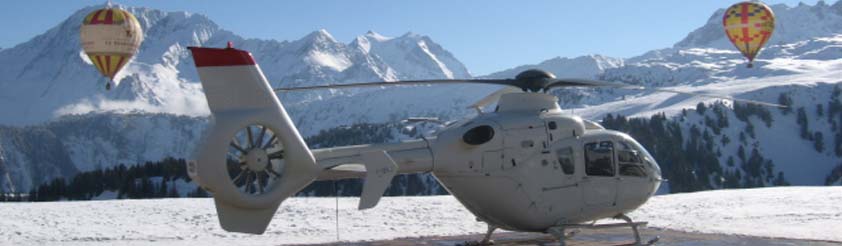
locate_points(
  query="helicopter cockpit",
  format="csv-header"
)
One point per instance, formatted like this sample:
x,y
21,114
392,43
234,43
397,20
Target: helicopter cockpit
x,y
605,148
611,158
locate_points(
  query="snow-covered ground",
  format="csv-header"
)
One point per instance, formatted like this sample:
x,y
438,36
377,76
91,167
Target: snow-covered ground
x,y
791,212
784,212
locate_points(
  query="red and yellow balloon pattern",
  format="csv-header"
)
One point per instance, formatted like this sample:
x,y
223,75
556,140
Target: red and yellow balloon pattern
x,y
749,25
110,37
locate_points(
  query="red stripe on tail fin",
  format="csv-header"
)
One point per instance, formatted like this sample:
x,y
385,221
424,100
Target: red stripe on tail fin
x,y
212,57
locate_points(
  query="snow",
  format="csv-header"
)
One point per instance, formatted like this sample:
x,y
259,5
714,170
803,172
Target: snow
x,y
412,56
443,67
790,212
637,103
191,221
580,67
338,63
784,212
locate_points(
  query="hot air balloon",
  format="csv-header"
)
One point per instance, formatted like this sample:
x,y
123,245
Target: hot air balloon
x,y
749,25
110,37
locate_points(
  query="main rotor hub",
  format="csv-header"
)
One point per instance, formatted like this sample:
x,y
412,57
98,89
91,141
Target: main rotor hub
x,y
534,80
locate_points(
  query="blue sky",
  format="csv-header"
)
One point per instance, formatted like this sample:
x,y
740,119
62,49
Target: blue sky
x,y
487,35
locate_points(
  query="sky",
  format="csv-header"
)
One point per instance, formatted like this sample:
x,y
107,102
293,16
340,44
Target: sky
x,y
486,35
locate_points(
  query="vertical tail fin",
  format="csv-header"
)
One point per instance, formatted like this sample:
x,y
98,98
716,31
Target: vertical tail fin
x,y
252,157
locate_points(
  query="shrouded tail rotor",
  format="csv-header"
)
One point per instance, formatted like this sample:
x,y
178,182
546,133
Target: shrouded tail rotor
x,y
255,160
252,157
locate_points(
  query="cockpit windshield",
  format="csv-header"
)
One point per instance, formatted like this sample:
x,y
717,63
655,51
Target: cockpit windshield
x,y
633,159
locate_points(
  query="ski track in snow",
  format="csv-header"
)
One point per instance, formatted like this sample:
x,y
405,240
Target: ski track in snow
x,y
788,212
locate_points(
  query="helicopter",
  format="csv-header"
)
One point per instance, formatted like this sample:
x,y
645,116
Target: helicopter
x,y
523,167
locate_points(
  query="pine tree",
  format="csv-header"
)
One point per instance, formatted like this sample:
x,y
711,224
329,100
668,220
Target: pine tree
x,y
701,108
784,99
803,123
818,141
819,110
780,180
173,192
162,189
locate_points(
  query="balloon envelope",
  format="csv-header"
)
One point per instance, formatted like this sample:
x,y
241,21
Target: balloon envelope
x,y
110,37
749,25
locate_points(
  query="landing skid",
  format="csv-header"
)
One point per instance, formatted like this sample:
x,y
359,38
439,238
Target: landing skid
x,y
560,231
485,240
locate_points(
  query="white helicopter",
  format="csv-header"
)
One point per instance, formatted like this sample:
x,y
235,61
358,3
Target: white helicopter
x,y
523,167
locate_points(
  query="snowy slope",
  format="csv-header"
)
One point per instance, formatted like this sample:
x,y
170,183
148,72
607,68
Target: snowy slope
x,y
793,212
389,104
35,154
580,67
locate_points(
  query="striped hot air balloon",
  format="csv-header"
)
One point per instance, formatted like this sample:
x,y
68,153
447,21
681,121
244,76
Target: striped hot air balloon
x,y
749,25
110,37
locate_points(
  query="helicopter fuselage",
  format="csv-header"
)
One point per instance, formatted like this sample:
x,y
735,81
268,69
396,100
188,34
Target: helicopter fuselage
x,y
524,167
534,168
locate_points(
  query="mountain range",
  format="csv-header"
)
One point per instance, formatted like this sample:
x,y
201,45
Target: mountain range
x,y
158,108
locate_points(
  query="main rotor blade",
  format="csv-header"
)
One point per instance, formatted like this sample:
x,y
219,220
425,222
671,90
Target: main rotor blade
x,y
509,82
597,83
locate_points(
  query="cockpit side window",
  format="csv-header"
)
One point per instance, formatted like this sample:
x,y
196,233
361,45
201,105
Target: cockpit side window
x,y
599,159
565,159
630,161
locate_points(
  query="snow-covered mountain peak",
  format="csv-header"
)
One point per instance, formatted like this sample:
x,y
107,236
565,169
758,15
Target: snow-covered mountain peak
x,y
320,36
412,35
413,56
376,36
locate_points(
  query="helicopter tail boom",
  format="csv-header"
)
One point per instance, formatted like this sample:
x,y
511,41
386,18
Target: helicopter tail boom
x,y
250,184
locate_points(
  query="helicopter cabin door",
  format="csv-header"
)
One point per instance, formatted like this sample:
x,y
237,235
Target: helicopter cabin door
x,y
635,186
599,185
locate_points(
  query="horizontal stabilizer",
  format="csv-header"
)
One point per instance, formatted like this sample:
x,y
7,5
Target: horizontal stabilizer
x,y
380,170
359,168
